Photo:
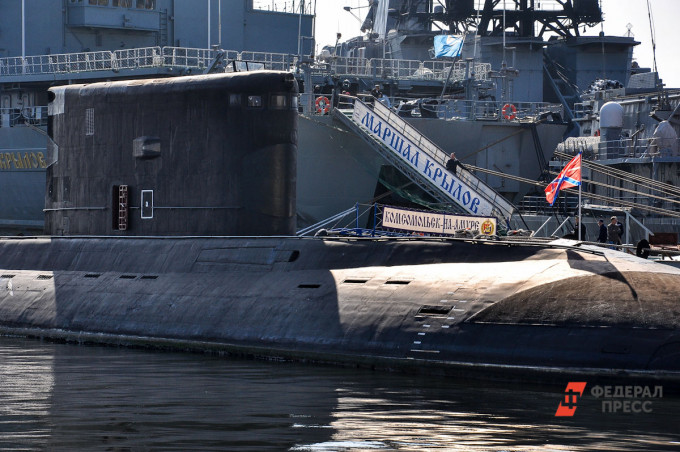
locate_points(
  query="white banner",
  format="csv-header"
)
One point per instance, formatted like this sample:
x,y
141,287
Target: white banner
x,y
419,160
435,223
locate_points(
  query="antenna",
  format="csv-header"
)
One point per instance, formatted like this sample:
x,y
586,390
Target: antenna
x,y
653,32
503,64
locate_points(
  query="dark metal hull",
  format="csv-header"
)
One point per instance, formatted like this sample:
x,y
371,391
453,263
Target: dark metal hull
x,y
426,306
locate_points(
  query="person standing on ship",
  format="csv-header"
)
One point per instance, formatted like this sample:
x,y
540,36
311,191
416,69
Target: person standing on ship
x,y
576,228
613,233
602,237
453,163
376,92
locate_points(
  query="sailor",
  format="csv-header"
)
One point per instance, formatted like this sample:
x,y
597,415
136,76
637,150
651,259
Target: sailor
x,y
614,232
576,228
602,237
344,101
453,163
345,88
375,92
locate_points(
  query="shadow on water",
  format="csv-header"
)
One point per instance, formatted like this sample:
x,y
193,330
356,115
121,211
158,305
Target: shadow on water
x,y
67,397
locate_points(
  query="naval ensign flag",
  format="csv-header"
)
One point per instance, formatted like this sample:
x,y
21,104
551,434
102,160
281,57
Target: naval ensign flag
x,y
570,176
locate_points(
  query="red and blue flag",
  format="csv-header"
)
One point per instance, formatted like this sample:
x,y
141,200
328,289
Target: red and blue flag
x,y
569,177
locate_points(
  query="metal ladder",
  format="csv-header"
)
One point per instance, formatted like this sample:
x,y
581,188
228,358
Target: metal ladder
x,y
497,205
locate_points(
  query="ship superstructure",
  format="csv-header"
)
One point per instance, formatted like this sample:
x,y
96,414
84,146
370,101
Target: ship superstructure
x,y
516,72
47,43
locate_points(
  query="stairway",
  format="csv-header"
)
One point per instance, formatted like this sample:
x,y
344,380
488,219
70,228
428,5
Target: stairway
x,y
422,161
163,26
566,93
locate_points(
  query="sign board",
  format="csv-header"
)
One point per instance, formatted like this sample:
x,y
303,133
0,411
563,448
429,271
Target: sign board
x,y
434,222
419,160
147,204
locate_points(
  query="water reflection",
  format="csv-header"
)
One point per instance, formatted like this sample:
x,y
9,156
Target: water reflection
x,y
67,397
26,382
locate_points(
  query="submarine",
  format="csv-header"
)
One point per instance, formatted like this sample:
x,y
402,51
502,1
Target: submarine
x,y
170,222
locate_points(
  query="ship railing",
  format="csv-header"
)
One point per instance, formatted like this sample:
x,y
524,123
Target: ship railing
x,y
284,6
483,110
270,61
155,57
623,148
406,69
440,70
399,69
344,66
143,57
11,117
188,57
56,63
538,205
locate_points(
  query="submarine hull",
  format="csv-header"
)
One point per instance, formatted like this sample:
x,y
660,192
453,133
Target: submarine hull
x,y
419,305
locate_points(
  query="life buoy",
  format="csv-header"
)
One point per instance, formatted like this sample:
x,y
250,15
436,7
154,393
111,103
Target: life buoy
x,y
323,105
507,108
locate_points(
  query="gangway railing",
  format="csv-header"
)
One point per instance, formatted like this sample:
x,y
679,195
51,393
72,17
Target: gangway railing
x,y
422,161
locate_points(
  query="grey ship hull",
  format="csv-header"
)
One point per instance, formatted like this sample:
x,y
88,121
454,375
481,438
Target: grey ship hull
x,y
23,189
337,169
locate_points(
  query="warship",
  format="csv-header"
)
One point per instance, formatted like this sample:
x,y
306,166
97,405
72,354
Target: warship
x,y
628,136
86,41
132,261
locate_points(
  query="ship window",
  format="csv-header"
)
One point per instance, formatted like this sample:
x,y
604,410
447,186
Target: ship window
x,y
255,101
278,101
234,100
146,4
123,3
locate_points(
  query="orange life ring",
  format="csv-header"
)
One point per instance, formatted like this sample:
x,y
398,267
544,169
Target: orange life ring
x,y
509,116
323,105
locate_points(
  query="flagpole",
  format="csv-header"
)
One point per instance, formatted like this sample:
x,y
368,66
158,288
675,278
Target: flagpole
x,y
580,227
579,211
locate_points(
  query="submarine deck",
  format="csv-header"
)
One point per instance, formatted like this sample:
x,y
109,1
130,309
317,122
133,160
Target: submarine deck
x,y
425,305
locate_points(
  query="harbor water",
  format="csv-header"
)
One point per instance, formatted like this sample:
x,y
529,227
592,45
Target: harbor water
x,y
67,397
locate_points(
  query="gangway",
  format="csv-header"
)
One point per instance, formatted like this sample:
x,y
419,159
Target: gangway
x,y
422,161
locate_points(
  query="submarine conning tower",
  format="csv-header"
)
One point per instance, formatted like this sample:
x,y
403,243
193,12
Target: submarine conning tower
x,y
201,155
